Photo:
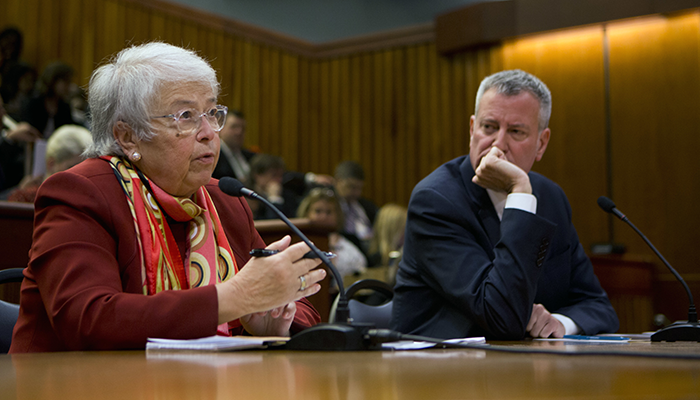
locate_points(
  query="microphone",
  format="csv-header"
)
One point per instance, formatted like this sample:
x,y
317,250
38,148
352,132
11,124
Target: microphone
x,y
338,336
686,331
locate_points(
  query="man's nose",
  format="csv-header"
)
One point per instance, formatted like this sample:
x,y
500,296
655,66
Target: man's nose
x,y
501,140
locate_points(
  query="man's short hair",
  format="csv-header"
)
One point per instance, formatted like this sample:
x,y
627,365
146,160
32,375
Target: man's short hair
x,y
237,113
262,163
512,83
349,169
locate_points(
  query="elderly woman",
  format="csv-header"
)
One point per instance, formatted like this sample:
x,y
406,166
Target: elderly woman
x,y
138,241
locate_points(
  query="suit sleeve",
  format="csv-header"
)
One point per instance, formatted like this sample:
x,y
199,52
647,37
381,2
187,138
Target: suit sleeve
x,y
446,245
586,302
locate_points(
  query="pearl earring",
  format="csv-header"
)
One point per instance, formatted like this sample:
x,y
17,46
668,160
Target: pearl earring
x,y
136,156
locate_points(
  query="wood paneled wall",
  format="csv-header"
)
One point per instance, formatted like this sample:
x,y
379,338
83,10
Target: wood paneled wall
x,y
403,111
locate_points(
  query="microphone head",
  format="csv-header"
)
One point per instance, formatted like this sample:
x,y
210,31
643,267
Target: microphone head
x,y
606,204
231,186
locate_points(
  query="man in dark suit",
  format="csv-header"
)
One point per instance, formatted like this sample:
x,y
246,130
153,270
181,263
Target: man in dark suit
x,y
358,212
234,160
490,248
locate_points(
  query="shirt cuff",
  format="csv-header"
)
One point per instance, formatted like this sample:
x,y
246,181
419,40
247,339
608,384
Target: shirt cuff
x,y
570,326
522,201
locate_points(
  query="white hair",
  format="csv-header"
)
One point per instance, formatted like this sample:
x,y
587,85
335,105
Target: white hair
x,y
67,142
127,89
512,83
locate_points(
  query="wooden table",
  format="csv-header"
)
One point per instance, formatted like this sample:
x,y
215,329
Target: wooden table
x,y
276,374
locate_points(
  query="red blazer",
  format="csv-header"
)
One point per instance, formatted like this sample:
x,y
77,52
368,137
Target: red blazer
x,y
82,287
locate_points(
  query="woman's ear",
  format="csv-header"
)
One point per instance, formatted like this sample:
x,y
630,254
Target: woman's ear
x,y
125,136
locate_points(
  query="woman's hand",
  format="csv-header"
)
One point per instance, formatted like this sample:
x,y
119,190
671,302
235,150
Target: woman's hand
x,y
275,322
270,283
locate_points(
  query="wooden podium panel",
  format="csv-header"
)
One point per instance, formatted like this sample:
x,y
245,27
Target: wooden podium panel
x,y
16,227
629,282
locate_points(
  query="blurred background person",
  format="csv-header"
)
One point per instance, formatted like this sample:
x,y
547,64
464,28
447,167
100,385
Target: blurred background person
x,y
11,44
13,139
321,207
79,108
48,110
386,245
266,176
234,160
64,149
17,88
359,213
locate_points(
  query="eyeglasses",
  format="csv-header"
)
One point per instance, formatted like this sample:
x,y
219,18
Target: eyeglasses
x,y
322,191
189,121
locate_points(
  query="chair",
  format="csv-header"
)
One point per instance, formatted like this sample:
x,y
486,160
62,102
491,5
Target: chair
x,y
379,315
8,312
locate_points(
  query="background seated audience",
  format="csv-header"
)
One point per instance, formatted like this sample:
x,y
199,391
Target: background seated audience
x,y
234,159
386,245
17,88
266,175
48,109
64,150
358,212
321,206
13,138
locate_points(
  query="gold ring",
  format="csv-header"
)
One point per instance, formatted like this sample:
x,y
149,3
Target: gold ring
x,y
303,283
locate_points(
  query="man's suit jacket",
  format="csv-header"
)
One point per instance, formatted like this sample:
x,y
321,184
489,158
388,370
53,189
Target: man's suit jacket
x,y
224,168
82,289
34,112
465,273
293,182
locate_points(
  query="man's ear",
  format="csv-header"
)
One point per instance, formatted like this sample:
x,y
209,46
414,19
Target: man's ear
x,y
472,120
125,136
542,142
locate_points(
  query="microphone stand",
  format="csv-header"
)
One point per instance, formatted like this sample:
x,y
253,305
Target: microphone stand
x,y
683,331
341,336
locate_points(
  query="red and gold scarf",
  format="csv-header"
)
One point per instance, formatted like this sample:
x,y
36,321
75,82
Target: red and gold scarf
x,y
211,259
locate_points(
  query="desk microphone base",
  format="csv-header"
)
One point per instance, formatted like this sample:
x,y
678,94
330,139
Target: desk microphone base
x,y
681,331
333,337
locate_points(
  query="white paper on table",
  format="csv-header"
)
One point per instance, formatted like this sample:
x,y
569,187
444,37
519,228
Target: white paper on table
x,y
415,345
214,343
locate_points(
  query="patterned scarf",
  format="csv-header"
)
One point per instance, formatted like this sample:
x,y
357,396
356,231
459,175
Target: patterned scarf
x,y
211,260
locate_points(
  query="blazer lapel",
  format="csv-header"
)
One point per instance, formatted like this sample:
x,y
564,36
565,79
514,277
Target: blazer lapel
x,y
486,213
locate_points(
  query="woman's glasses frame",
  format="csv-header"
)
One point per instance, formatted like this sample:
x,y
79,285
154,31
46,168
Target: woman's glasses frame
x,y
190,123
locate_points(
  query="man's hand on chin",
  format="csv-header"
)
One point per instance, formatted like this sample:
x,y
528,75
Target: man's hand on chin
x,y
496,173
